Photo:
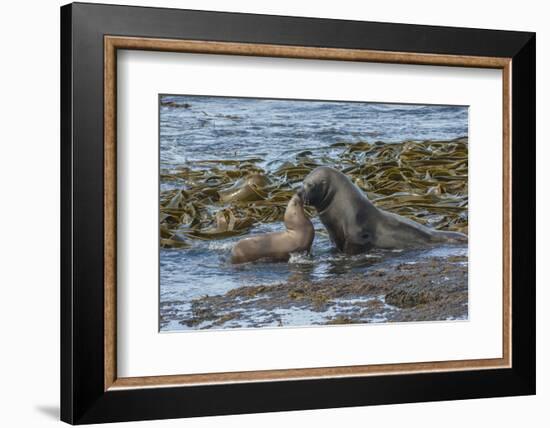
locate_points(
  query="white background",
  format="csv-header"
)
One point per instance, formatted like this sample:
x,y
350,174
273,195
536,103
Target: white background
x,y
144,352
29,219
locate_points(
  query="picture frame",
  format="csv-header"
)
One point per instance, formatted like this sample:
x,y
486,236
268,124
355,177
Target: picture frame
x,y
91,390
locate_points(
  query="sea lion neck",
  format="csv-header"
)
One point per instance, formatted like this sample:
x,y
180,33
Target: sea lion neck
x,y
325,201
296,221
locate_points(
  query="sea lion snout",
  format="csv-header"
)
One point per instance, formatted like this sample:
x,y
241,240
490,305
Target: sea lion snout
x,y
307,192
297,199
303,195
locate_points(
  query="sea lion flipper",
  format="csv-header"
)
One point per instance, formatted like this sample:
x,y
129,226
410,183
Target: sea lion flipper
x,y
450,236
358,242
352,248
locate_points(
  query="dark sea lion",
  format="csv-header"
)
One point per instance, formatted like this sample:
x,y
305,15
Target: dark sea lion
x,y
277,246
355,225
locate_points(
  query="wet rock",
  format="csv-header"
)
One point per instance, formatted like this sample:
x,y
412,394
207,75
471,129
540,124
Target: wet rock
x,y
408,298
175,104
429,290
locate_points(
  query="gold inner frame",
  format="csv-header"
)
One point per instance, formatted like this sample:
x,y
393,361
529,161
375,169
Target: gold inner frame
x,y
113,43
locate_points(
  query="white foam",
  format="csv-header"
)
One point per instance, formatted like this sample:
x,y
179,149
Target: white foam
x,y
220,246
301,259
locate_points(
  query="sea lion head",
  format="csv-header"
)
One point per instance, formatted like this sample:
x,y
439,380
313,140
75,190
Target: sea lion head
x,y
316,189
294,214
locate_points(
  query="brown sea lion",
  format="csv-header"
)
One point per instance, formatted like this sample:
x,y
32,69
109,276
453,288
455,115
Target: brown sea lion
x,y
355,225
277,246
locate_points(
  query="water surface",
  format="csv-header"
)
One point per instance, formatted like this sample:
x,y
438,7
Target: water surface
x,y
194,128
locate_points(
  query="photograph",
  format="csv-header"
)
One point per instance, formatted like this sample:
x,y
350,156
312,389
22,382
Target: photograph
x,y
278,210
297,213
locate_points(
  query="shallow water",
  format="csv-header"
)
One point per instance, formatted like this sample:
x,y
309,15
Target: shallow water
x,y
204,270
275,130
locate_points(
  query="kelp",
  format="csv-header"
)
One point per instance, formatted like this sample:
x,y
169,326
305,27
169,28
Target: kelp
x,y
426,181
247,189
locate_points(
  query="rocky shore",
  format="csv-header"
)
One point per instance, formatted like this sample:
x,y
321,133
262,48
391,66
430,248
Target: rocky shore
x,y
430,289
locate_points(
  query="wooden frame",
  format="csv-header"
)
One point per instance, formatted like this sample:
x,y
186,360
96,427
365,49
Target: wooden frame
x,y
515,63
113,43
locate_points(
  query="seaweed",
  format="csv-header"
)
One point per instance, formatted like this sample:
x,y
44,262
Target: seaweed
x,y
426,181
